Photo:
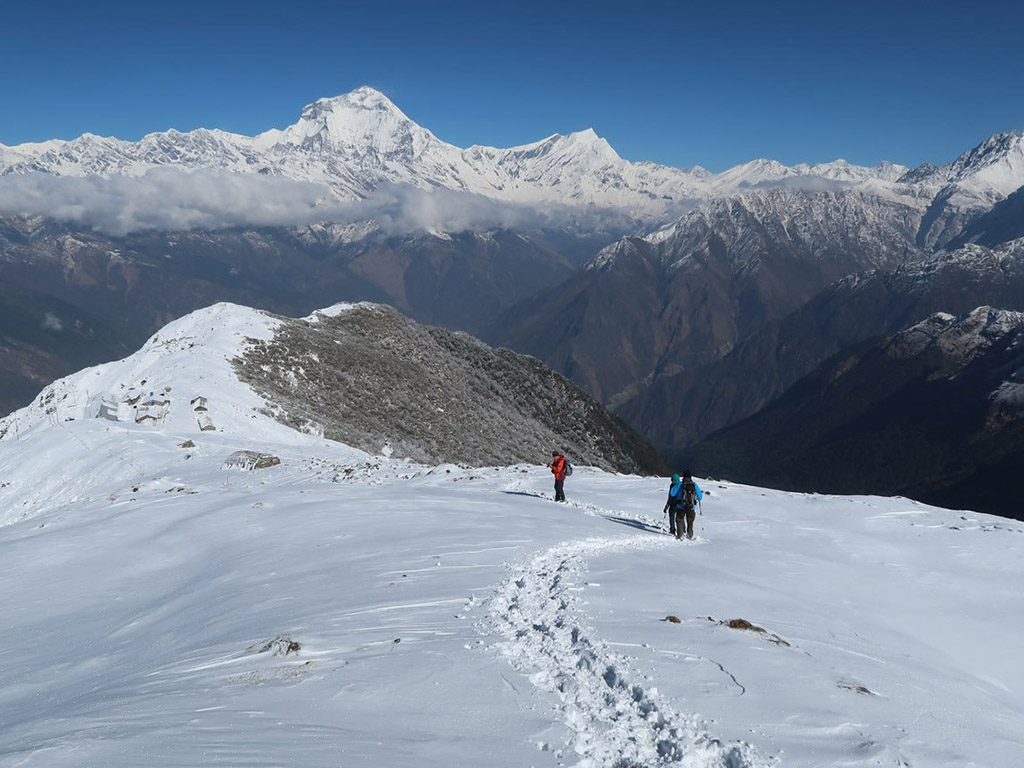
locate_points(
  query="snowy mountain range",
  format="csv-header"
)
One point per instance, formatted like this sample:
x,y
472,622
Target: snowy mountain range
x,y
687,295
193,582
686,299
358,142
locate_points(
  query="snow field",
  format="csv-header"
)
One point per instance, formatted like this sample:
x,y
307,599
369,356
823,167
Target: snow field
x,y
889,628
613,721
342,609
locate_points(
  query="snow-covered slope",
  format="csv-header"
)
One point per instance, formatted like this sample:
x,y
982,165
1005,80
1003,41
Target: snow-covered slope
x,y
359,373
359,141
166,605
969,186
997,163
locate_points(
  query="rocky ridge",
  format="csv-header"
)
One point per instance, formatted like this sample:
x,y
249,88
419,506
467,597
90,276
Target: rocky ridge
x,y
366,376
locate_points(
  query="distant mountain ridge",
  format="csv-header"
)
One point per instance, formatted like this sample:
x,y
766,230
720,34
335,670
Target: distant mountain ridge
x,y
358,141
702,298
687,295
687,404
934,412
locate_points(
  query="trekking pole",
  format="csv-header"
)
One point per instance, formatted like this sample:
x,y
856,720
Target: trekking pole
x,y
701,518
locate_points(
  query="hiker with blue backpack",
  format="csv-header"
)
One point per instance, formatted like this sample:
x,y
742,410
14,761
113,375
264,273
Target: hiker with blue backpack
x,y
683,497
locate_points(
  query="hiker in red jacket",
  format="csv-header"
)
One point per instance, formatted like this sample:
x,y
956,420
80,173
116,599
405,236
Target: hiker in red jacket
x,y
560,470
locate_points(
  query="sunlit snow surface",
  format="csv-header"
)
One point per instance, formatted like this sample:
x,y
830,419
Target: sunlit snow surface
x,y
457,617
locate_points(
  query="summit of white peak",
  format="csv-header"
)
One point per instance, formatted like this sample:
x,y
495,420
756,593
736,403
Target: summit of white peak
x,y
751,174
364,119
361,99
595,145
996,163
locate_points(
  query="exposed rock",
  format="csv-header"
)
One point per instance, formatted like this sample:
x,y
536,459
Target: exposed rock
x,y
250,460
368,376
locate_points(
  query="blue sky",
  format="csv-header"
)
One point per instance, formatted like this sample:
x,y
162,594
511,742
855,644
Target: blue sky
x,y
679,83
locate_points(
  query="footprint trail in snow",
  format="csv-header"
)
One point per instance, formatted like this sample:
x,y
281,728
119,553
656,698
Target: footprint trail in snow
x,y
614,723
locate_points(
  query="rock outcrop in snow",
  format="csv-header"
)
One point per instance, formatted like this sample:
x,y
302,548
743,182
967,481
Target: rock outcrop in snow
x,y
367,376
362,375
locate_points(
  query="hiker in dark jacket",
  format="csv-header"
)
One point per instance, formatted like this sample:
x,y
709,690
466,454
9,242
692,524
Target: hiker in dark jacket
x,y
683,497
559,470
673,491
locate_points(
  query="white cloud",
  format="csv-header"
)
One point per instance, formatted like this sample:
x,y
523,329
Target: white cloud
x,y
172,199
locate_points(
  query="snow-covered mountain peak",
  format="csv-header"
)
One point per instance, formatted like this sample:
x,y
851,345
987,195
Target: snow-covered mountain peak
x,y
960,339
369,98
993,149
844,170
362,99
594,145
751,174
356,122
997,162
971,185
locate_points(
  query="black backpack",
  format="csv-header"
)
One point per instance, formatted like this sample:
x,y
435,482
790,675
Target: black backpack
x,y
686,496
568,467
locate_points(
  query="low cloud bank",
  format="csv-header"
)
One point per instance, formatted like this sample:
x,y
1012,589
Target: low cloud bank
x,y
172,199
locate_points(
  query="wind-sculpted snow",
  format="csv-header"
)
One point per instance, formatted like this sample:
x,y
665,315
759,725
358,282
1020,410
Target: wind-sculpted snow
x,y
615,722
